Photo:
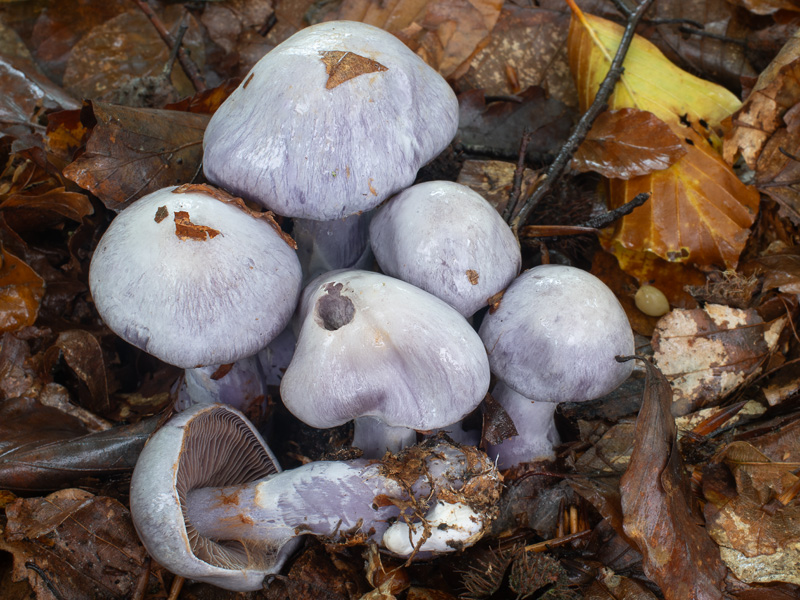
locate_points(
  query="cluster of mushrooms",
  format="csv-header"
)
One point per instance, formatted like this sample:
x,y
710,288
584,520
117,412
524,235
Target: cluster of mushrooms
x,y
329,129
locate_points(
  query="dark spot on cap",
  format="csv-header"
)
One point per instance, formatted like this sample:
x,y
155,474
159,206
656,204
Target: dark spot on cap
x,y
161,214
249,79
334,311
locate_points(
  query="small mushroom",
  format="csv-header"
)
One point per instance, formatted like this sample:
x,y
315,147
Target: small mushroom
x,y
209,503
554,338
446,239
383,352
193,277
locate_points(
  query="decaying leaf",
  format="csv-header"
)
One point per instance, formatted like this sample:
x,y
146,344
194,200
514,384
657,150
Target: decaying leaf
x,y
699,211
125,48
493,128
445,33
21,292
707,353
134,151
776,91
628,143
494,180
527,48
236,26
778,167
81,352
758,544
658,509
72,544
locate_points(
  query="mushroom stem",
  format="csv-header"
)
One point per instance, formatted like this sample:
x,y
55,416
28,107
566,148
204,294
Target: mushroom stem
x,y
324,246
375,438
241,385
350,501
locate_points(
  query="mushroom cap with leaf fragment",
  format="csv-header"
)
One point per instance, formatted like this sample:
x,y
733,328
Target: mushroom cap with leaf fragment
x,y
331,122
193,277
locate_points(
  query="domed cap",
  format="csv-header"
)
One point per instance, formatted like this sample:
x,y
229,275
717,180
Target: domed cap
x,y
555,335
208,445
331,122
371,345
446,239
194,278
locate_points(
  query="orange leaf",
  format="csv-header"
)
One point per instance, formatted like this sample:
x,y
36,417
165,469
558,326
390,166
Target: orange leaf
x,y
21,291
699,211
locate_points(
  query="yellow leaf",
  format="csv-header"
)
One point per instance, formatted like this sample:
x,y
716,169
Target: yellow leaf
x,y
699,211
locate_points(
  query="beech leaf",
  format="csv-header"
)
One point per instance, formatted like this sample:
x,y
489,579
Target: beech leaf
x,y
21,292
627,143
698,211
678,554
134,151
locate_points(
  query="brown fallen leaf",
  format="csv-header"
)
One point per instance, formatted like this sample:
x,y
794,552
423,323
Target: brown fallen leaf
x,y
125,48
776,91
493,128
134,151
658,508
616,587
758,545
708,353
628,143
21,292
82,354
445,33
72,544
236,27
778,167
528,47
31,212
778,271
493,179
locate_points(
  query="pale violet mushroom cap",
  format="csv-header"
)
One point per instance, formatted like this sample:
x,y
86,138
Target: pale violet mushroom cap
x,y
207,445
194,280
445,238
371,345
329,123
555,334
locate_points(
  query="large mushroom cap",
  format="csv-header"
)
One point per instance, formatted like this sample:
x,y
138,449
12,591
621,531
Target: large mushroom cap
x,y
331,122
372,345
446,239
206,445
555,335
194,280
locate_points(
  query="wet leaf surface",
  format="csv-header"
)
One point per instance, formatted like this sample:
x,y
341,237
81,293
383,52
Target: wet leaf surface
x,y
21,292
658,509
628,143
708,353
132,152
72,544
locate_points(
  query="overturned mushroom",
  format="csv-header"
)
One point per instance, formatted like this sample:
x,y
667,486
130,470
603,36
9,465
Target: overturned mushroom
x,y
209,503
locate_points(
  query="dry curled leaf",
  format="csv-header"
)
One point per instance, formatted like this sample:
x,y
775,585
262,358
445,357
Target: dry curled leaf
x,y
776,91
657,505
627,143
134,151
708,353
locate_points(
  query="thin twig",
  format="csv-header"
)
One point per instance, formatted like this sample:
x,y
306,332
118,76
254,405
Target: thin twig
x,y
713,36
173,55
191,70
606,219
513,198
585,123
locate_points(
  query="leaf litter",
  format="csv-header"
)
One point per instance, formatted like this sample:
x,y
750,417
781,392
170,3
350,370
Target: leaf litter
x,y
630,507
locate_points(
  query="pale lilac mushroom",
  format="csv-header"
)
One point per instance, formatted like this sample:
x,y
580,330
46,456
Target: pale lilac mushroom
x,y
194,278
554,338
447,239
385,353
210,504
329,124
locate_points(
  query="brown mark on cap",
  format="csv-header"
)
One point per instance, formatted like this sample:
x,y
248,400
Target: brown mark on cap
x,y
161,214
334,311
472,276
186,230
343,66
249,79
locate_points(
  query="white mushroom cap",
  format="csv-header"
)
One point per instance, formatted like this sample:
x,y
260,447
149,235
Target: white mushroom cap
x,y
331,122
555,335
194,280
448,240
372,345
